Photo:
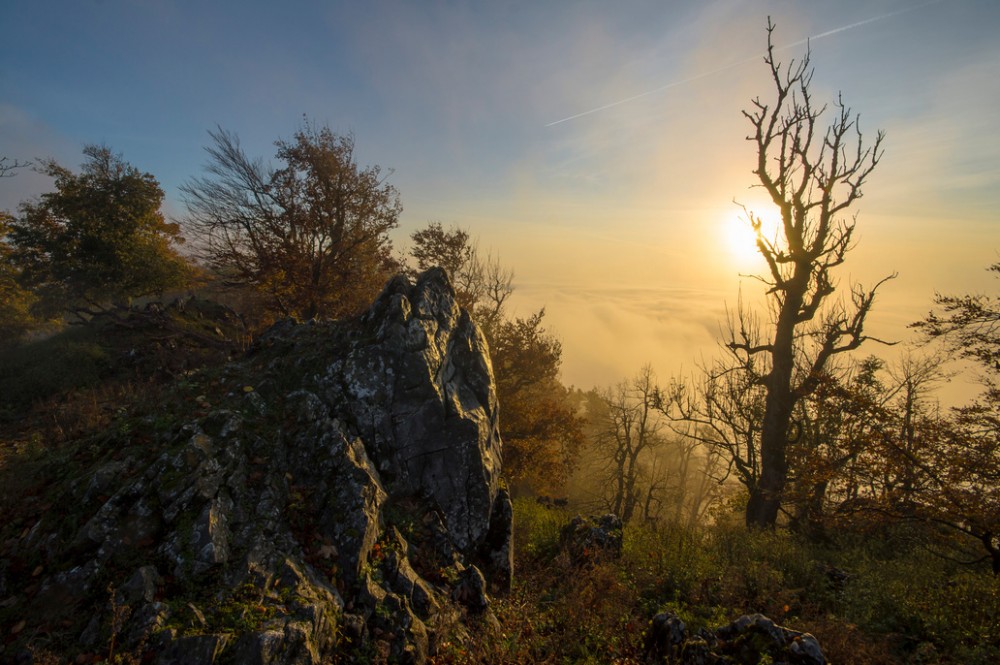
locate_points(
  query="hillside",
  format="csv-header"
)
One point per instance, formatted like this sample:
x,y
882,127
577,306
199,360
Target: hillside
x,y
333,492
318,499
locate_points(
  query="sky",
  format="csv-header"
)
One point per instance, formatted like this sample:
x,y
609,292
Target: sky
x,y
597,148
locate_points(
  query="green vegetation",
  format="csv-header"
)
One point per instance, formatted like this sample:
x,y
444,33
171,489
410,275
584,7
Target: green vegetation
x,y
882,599
71,360
99,237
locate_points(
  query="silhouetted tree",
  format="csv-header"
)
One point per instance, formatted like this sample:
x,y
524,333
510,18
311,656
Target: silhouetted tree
x,y
813,177
939,469
9,166
723,410
452,250
15,300
964,468
99,237
312,235
968,325
852,427
631,431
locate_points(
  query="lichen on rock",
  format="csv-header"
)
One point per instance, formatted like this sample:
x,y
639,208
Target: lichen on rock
x,y
310,524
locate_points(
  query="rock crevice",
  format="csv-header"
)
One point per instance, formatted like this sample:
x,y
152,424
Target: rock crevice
x,y
333,503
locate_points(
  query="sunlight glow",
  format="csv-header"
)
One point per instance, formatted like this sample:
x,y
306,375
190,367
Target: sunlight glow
x,y
739,237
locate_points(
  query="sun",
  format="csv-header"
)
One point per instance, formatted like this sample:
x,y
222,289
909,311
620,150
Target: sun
x,y
740,239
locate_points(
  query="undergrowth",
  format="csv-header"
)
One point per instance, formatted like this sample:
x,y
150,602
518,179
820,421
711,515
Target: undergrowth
x,y
866,601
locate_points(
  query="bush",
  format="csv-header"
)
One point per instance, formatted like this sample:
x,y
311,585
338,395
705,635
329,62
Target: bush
x,y
536,530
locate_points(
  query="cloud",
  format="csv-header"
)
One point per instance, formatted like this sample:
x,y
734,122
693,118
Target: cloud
x,y
608,332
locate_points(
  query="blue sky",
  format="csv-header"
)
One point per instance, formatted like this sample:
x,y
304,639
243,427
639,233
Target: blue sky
x,y
619,221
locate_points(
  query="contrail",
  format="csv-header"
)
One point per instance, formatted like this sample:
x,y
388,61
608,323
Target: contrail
x,y
713,72
861,23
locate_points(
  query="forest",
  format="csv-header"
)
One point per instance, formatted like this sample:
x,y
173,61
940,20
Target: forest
x,y
807,472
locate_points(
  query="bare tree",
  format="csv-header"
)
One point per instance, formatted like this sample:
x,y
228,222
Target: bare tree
x,y
969,325
631,431
813,176
722,410
680,480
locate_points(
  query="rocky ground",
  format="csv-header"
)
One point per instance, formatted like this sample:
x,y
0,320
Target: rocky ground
x,y
333,496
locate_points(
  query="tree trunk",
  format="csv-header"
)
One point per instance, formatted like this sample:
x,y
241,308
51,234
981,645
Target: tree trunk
x,y
808,518
765,500
765,497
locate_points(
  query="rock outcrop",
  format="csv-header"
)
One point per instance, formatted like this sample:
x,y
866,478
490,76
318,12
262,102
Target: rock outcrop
x,y
335,496
749,639
592,538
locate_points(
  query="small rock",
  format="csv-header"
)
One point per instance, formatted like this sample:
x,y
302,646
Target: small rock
x,y
471,590
749,639
592,538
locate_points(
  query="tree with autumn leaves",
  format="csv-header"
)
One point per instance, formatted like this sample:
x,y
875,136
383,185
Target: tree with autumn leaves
x,y
311,234
962,470
16,301
876,448
98,239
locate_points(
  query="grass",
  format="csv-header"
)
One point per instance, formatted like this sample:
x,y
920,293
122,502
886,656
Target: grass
x,y
899,603
73,359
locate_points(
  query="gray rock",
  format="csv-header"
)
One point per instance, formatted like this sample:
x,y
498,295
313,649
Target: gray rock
x,y
666,638
498,547
748,639
592,538
471,590
271,519
193,650
141,587
423,395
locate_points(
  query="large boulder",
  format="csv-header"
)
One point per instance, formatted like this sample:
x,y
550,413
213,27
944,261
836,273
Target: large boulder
x,y
326,496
